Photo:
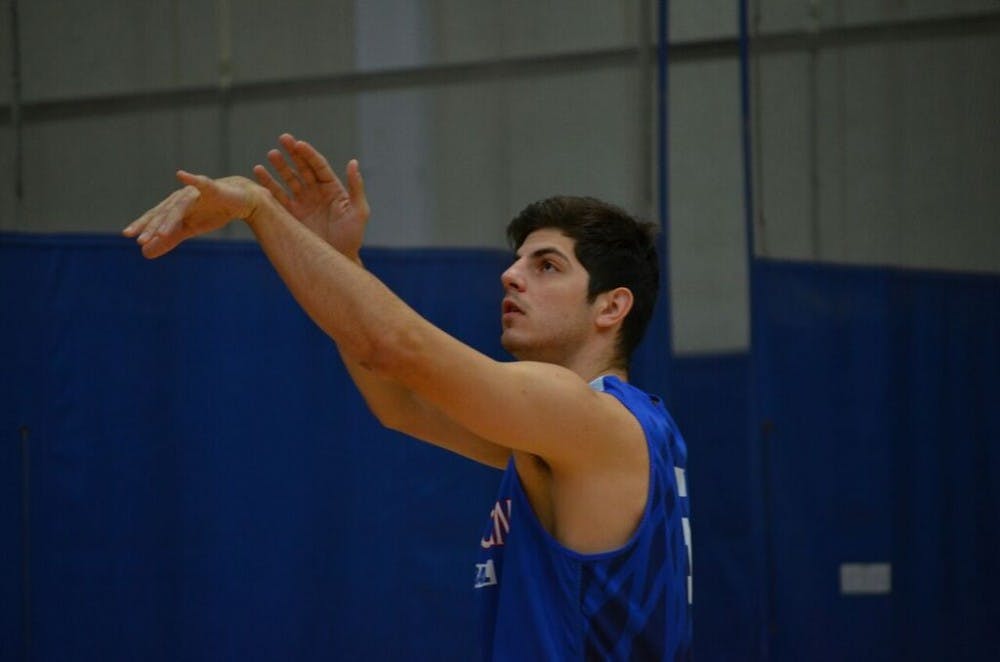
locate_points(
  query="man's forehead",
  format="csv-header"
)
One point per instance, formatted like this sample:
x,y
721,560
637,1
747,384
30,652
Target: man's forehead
x,y
546,238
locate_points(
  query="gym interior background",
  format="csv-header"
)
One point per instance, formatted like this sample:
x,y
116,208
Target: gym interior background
x,y
186,471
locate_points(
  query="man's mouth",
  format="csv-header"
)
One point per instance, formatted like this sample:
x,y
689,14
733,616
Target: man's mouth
x,y
509,306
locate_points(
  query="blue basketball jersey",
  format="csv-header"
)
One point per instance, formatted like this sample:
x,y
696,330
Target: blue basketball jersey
x,y
542,601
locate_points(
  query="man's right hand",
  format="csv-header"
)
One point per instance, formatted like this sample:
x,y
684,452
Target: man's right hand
x,y
203,205
314,195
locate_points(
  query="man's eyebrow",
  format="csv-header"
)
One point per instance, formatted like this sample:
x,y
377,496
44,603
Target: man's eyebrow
x,y
543,251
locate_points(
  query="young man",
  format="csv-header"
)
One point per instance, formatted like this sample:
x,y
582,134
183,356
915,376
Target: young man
x,y
586,554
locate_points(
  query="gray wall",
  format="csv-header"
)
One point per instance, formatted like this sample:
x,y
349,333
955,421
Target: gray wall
x,y
875,123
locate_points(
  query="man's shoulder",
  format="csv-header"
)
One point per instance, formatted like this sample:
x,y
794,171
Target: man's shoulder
x,y
630,396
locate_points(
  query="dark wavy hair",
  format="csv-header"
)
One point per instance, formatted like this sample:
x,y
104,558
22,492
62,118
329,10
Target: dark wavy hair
x,y
616,249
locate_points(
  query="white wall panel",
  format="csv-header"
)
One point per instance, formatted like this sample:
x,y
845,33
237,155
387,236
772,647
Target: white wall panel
x,y
326,121
784,189
466,31
910,154
8,210
396,148
470,165
531,27
948,126
96,174
71,49
865,11
392,34
769,16
907,154
450,164
574,134
694,20
860,158
5,52
449,31
707,248
796,15
290,39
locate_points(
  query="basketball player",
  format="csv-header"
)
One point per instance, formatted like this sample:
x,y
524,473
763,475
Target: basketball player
x,y
586,552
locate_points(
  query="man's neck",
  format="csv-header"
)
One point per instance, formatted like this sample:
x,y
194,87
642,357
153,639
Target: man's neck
x,y
588,362
589,370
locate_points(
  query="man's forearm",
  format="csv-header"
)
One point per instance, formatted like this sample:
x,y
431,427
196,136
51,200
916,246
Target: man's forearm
x,y
395,356
400,409
353,307
369,323
391,403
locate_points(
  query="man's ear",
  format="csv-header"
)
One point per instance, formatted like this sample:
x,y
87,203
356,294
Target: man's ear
x,y
612,306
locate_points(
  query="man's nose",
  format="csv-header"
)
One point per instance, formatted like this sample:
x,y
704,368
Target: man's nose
x,y
512,278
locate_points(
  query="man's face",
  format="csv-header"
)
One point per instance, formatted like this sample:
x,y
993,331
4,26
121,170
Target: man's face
x,y
545,314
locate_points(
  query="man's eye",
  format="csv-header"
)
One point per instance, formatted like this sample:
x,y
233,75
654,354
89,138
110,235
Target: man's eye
x,y
547,266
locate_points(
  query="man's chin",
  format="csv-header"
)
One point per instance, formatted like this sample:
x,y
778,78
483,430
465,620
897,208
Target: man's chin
x,y
514,348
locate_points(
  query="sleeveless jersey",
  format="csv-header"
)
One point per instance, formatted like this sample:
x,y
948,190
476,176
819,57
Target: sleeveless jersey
x,y
542,601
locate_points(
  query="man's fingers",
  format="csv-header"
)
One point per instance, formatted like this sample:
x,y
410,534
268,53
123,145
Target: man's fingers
x,y
302,168
136,226
277,160
265,179
149,231
315,163
158,246
152,227
356,187
166,217
152,248
287,141
200,182
173,217
150,221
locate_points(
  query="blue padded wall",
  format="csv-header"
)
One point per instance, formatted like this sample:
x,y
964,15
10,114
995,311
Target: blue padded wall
x,y
711,405
205,483
878,403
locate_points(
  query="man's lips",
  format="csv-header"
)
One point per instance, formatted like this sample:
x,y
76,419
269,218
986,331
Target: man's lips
x,y
509,306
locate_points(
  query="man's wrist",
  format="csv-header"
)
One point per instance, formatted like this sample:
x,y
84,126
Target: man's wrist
x,y
258,197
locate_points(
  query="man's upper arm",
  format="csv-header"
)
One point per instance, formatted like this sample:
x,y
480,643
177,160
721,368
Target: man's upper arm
x,y
426,423
538,408
400,409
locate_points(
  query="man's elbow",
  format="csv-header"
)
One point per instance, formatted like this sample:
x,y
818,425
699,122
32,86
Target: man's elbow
x,y
390,417
392,354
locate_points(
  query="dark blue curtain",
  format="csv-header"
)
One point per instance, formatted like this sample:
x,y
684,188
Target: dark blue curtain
x,y
711,405
878,419
203,482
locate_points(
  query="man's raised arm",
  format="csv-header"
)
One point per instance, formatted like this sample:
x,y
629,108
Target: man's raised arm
x,y
537,408
314,195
